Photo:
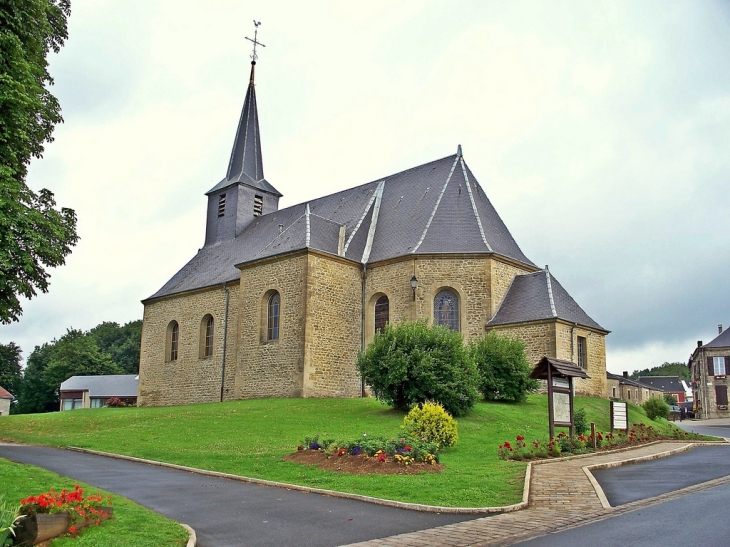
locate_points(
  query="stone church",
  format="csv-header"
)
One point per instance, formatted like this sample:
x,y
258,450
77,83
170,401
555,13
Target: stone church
x,y
279,302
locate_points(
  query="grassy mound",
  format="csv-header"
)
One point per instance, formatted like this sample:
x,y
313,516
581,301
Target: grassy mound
x,y
251,437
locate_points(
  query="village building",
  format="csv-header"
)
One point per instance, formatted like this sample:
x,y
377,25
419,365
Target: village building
x,y
94,391
623,388
673,385
279,302
710,364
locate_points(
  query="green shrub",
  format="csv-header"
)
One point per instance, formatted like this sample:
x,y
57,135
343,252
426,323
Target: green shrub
x,y
655,408
504,372
412,363
670,399
580,421
430,422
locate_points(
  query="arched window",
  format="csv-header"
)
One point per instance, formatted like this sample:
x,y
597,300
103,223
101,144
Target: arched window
x,y
173,339
446,309
382,313
206,337
273,308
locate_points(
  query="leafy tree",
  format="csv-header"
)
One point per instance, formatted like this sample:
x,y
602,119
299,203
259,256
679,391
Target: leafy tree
x,y
33,234
35,395
655,407
670,399
76,354
10,375
666,369
120,343
412,363
504,372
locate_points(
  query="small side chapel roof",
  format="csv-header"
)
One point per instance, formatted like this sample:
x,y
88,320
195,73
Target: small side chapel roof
x,y
438,207
5,394
562,367
538,296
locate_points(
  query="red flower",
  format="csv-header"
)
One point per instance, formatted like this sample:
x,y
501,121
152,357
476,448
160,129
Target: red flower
x,y
520,438
72,530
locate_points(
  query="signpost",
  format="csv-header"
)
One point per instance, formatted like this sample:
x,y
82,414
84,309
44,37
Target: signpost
x,y
559,375
619,416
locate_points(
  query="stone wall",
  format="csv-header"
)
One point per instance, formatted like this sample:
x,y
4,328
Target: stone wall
x,y
596,357
190,378
272,368
333,333
539,338
469,277
704,385
4,407
394,281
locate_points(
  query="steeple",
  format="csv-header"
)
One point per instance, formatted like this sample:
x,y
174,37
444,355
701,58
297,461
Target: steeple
x,y
244,193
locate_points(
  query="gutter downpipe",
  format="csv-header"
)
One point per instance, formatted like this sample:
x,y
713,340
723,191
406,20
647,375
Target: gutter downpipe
x,y
572,342
225,339
362,324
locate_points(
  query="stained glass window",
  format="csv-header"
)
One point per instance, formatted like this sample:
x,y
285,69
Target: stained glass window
x,y
272,324
446,309
382,312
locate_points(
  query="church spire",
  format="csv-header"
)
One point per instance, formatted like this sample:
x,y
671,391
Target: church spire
x,y
246,165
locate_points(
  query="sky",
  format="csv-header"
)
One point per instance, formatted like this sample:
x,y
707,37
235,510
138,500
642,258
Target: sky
x,y
599,131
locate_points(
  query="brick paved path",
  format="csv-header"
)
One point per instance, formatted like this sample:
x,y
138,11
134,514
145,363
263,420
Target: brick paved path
x,y
561,496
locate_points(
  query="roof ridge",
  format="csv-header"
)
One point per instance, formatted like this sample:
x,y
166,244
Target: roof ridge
x,y
473,203
373,222
550,292
435,207
309,228
362,217
285,230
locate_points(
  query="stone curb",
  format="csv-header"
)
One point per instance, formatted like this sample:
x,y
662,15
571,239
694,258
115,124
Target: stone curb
x,y
377,501
192,537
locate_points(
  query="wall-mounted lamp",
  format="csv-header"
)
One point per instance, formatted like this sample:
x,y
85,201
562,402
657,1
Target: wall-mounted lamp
x,y
414,286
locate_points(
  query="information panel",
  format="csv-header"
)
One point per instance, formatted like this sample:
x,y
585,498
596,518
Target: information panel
x,y
619,416
561,408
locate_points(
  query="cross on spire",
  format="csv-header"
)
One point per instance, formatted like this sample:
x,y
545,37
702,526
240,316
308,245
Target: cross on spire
x,y
255,41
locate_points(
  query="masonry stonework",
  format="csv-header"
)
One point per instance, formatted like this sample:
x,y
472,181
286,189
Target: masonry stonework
x,y
190,378
272,368
503,274
333,335
567,347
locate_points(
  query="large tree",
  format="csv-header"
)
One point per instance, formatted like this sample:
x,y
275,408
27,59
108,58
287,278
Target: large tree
x,y
667,369
34,235
120,343
10,367
34,394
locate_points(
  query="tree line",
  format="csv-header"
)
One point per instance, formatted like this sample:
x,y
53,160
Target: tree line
x,y
666,369
108,348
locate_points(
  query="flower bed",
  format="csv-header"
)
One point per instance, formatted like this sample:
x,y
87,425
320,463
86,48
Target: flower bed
x,y
639,433
366,455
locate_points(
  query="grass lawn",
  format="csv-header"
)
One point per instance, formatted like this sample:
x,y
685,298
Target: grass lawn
x,y
250,437
131,526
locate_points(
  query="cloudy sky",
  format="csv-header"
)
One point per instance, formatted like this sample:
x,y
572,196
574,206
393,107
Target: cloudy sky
x,y
600,131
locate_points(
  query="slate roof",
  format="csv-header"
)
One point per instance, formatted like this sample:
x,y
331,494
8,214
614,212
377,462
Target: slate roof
x,y
670,384
722,341
111,385
437,207
538,296
5,394
246,165
561,366
630,382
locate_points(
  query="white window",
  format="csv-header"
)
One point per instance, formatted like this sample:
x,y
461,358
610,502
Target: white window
x,y
718,363
97,403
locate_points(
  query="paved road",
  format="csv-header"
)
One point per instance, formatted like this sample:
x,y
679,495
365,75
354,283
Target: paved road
x,y
228,513
645,480
695,519
716,428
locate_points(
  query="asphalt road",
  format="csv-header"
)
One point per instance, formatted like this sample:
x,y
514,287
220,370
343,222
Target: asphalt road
x,y
695,519
228,513
645,480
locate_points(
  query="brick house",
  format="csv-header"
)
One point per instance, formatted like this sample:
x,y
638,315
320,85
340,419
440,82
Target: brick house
x,y
279,302
710,364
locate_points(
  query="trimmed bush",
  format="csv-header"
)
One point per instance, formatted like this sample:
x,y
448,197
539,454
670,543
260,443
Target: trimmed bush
x,y
580,421
504,373
430,422
412,363
655,408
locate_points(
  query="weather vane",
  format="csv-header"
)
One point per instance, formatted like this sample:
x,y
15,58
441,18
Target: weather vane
x,y
255,41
